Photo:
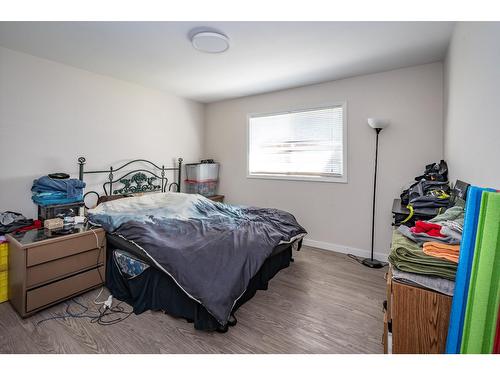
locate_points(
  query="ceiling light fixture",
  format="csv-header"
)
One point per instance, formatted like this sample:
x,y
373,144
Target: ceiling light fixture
x,y
210,42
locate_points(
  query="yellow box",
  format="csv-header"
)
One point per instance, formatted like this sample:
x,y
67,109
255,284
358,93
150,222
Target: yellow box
x,y
4,248
4,256
4,283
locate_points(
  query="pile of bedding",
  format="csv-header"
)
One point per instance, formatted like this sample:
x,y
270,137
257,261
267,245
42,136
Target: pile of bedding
x,y
210,249
48,191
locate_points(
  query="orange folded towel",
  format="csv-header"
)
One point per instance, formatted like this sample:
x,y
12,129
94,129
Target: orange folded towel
x,y
441,250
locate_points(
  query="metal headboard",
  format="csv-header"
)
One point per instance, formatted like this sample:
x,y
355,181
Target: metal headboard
x,y
136,181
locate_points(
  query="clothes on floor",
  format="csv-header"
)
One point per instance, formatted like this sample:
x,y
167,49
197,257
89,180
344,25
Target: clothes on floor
x,y
440,250
408,256
438,284
48,191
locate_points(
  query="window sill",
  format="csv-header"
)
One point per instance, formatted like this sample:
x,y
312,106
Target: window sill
x,y
339,179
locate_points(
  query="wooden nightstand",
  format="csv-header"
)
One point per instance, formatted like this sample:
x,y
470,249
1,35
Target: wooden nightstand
x,y
217,198
45,269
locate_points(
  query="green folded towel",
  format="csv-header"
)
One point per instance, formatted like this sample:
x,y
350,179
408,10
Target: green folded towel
x,y
455,213
407,256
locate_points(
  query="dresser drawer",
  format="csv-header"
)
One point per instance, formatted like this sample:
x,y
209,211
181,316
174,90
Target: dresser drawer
x,y
62,289
63,248
58,268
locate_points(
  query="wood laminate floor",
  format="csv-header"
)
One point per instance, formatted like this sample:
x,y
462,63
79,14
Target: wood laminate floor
x,y
323,303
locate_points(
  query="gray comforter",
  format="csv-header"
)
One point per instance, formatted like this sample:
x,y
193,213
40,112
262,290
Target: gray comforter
x,y
211,250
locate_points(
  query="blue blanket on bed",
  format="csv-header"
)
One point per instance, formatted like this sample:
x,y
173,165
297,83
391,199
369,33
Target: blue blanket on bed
x,y
211,250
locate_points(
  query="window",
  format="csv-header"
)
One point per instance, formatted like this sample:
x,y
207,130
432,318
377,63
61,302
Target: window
x,y
298,145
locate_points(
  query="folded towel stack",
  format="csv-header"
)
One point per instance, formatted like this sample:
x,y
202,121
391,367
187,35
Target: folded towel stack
x,y
428,252
440,250
48,191
408,256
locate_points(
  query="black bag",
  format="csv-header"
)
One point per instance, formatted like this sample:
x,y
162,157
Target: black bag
x,y
435,172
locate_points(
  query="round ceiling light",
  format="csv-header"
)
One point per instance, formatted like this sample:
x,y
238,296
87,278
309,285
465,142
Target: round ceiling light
x,y
210,42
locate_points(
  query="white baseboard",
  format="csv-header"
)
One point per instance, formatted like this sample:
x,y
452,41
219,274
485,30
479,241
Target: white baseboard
x,y
344,249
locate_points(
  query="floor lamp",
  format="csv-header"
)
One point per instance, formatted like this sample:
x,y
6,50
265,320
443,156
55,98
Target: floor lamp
x,y
377,125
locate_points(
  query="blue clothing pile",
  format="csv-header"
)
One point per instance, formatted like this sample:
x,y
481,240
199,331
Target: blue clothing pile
x,y
48,191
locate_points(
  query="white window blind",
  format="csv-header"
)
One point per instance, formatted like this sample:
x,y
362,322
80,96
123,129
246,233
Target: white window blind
x,y
308,143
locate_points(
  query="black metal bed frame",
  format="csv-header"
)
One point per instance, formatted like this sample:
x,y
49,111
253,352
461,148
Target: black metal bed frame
x,y
140,181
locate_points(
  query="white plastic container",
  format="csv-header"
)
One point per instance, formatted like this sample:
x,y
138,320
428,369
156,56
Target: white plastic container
x,y
202,172
206,188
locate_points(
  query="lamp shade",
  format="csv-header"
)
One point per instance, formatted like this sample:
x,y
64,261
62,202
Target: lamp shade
x,y
378,123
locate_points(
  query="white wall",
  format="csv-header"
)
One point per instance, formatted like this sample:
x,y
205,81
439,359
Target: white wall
x,y
338,216
472,103
52,113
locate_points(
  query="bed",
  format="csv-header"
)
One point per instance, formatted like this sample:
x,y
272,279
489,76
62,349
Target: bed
x,y
183,253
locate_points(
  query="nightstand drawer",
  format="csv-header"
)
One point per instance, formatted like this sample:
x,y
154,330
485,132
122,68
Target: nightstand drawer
x,y
58,268
63,248
65,288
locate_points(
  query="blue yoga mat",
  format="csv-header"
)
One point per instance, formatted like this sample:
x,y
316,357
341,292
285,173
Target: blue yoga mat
x,y
459,303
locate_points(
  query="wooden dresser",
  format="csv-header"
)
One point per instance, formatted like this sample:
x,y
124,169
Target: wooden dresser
x,y
419,319
45,269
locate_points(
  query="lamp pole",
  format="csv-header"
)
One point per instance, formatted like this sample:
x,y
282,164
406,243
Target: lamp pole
x,y
370,262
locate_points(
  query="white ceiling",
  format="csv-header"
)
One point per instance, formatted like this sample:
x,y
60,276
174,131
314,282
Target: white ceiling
x,y
264,56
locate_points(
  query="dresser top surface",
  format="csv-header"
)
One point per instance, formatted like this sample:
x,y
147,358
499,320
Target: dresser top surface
x,y
36,236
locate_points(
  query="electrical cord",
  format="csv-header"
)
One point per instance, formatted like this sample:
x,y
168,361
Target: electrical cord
x,y
69,314
104,312
352,256
96,302
101,317
357,259
107,312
